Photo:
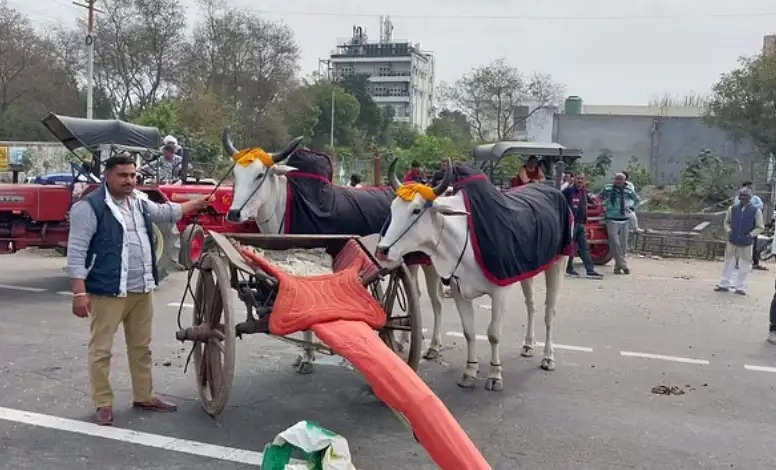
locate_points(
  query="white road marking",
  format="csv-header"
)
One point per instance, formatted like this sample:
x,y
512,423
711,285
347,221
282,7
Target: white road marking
x,y
178,304
701,226
686,360
64,292
133,437
568,347
458,334
26,289
759,368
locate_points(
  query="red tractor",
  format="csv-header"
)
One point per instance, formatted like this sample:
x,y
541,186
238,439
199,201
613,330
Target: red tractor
x,y
33,215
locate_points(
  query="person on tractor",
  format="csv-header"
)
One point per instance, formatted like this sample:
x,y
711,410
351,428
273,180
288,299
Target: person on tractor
x,y
415,174
168,166
112,270
355,181
531,172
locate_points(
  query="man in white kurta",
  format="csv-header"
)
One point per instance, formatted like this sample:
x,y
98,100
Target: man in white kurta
x,y
743,222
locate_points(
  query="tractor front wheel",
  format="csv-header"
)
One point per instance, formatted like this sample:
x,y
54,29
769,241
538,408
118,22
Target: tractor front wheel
x,y
192,242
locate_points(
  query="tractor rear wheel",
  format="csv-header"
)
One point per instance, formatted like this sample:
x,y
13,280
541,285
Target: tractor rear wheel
x,y
167,246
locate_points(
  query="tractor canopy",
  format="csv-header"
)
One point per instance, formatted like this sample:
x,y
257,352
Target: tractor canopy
x,y
552,151
553,157
89,134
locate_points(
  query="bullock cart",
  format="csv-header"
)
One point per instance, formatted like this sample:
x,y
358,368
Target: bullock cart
x,y
225,277
554,158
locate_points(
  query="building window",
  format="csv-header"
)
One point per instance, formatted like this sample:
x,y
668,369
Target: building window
x,y
384,70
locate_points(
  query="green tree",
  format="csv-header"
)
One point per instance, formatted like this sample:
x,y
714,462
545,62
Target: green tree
x,y
744,102
373,120
249,63
308,113
429,150
452,124
708,178
637,174
403,135
34,79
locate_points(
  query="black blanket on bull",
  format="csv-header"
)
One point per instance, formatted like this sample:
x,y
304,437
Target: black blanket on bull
x,y
316,206
514,235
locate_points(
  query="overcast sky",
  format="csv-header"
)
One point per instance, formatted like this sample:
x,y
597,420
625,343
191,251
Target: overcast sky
x,y
607,51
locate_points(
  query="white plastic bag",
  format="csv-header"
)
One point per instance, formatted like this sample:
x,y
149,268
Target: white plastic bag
x,y
307,446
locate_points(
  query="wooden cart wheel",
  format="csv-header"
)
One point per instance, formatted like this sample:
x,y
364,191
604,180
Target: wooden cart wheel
x,y
397,295
214,359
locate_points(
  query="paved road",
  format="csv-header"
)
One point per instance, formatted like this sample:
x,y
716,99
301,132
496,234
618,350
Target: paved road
x,y
661,325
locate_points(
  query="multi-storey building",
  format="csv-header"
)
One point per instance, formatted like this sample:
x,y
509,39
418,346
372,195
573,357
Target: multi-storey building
x,y
401,75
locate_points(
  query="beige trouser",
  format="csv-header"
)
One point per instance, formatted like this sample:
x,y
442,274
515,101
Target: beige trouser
x,y
136,312
738,263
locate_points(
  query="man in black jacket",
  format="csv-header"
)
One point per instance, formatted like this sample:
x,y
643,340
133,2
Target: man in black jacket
x,y
577,197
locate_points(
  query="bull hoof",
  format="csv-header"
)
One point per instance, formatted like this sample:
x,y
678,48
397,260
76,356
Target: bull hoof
x,y
527,351
547,364
467,381
494,385
431,354
304,368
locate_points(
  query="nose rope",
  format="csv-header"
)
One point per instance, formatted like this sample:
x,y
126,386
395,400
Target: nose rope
x,y
407,229
221,181
263,178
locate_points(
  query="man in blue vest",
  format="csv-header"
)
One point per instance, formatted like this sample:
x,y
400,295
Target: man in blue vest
x,y
112,269
743,222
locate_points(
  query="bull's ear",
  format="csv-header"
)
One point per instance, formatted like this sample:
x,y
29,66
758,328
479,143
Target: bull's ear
x,y
280,169
444,209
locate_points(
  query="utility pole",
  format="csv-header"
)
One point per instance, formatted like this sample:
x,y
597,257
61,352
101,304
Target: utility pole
x,y
331,134
90,44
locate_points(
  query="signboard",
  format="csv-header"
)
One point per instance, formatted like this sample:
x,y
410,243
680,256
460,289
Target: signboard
x,y
11,157
15,155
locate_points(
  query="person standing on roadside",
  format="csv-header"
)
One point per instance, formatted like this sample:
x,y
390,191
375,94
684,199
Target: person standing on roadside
x,y
112,270
577,197
617,198
772,331
634,220
743,222
758,203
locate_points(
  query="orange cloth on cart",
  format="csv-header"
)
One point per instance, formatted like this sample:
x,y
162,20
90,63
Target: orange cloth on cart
x,y
302,301
400,388
342,313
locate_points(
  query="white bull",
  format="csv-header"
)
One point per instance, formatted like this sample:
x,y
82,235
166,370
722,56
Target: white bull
x,y
438,228
259,193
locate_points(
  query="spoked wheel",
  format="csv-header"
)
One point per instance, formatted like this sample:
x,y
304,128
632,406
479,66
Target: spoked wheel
x,y
399,299
192,244
214,310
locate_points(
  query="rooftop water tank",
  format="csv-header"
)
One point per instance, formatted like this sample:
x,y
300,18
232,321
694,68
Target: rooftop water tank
x,y
573,105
